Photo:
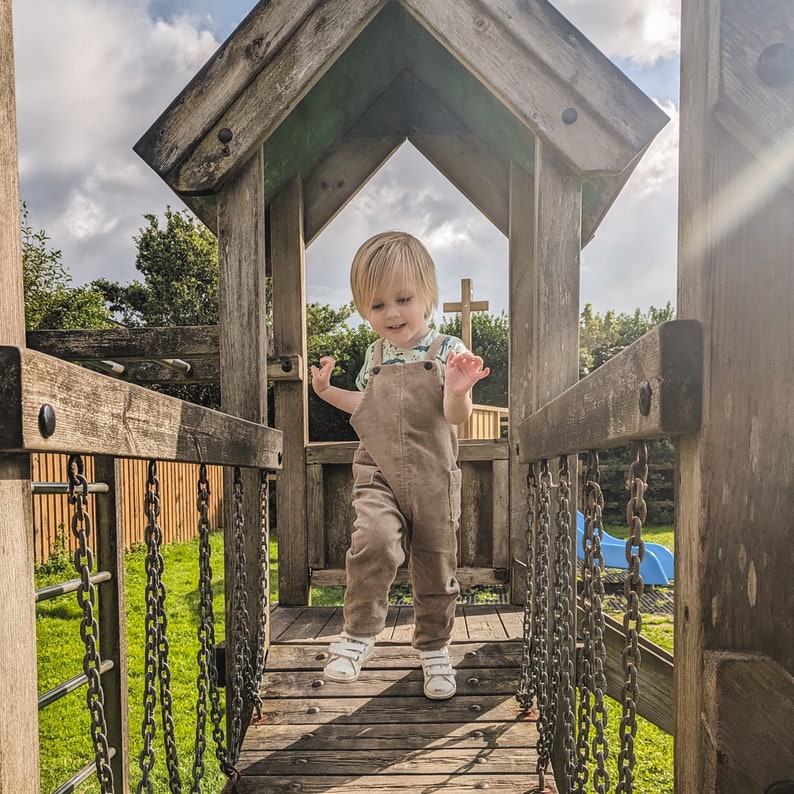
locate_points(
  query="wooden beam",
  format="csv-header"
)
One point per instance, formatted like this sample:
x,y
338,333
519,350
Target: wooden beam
x,y
253,45
652,389
734,521
522,277
95,414
747,749
272,93
340,176
532,61
291,399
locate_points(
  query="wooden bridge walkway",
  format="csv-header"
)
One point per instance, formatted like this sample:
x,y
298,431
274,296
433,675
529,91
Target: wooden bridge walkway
x,y
380,734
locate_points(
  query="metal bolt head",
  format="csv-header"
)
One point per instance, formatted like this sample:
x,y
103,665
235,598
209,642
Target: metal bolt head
x,y
775,65
569,115
646,392
225,135
46,420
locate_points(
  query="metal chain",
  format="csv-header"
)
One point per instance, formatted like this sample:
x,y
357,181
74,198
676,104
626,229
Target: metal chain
x,y
563,617
592,680
242,639
636,513
206,636
89,628
157,647
263,610
540,660
526,691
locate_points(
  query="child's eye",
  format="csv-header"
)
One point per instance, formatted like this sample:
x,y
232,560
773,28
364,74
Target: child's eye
x,y
377,307
403,301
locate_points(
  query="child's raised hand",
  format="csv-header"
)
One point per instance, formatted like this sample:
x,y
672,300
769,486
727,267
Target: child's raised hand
x,y
321,376
463,371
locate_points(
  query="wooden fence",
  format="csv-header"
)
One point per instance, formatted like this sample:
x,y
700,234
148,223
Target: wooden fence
x,y
178,513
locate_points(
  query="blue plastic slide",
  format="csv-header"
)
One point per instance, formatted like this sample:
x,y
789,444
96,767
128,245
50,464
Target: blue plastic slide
x,y
657,562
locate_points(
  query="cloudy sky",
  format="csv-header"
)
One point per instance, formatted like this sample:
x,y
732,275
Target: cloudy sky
x,y
92,76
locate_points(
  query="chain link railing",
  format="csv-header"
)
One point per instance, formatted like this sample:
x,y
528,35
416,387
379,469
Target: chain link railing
x,y
89,628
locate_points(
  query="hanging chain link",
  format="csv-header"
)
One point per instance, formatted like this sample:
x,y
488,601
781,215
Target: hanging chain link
x,y
563,617
546,699
242,638
207,679
636,513
156,665
525,694
592,680
89,628
263,608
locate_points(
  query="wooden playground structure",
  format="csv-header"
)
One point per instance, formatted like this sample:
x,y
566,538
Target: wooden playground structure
x,y
268,142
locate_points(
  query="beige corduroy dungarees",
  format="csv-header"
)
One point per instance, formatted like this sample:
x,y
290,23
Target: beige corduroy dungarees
x,y
406,493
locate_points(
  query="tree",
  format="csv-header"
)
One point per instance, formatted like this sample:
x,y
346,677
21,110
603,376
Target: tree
x,y
602,336
179,264
50,301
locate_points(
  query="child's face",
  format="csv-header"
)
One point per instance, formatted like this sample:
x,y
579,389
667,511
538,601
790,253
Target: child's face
x,y
396,313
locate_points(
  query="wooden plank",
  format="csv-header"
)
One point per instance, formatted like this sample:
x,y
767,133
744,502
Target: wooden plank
x,y
398,762
384,682
742,692
606,408
466,654
266,738
272,93
125,344
315,514
654,677
90,409
481,176
339,452
520,399
500,509
390,784
467,577
257,40
340,176
566,71
290,399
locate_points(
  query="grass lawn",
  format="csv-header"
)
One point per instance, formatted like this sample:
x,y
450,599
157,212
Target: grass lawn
x,y
60,654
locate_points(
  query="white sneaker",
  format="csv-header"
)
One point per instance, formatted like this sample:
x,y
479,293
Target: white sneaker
x,y
439,674
347,656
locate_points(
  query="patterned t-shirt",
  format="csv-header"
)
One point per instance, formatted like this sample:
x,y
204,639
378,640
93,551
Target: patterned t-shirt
x,y
399,355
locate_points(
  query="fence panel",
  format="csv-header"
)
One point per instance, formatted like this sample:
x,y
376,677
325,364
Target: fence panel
x,y
178,515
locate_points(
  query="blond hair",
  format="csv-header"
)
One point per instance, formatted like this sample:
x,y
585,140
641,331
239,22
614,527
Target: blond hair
x,y
383,256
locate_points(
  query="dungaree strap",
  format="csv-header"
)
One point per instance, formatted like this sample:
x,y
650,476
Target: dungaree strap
x,y
377,353
435,345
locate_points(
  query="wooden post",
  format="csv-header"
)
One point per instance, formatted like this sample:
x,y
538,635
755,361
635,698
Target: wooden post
x,y
243,357
112,616
291,398
19,737
465,306
544,278
734,553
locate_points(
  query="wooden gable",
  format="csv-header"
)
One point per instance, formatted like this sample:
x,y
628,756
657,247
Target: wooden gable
x,y
333,88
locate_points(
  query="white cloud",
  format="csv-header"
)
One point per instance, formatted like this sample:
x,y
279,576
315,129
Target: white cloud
x,y
642,31
83,99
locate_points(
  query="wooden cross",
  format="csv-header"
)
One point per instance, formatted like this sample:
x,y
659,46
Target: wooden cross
x,y
466,306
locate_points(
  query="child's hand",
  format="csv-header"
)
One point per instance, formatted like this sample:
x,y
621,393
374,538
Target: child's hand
x,y
321,376
463,371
